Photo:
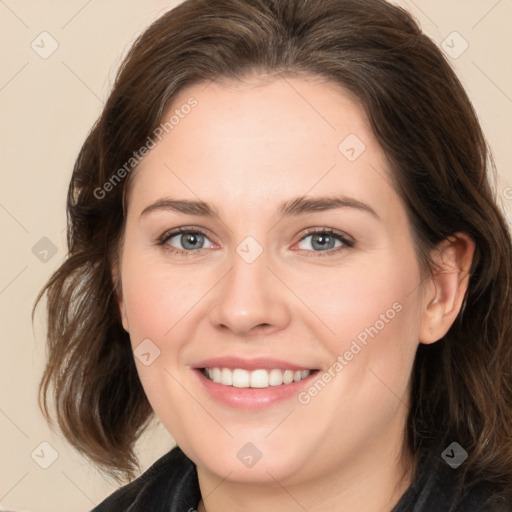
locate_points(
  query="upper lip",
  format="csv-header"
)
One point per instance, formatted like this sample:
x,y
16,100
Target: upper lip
x,y
257,363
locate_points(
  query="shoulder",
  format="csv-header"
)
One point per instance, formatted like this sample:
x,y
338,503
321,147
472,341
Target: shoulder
x,y
438,487
169,484
481,498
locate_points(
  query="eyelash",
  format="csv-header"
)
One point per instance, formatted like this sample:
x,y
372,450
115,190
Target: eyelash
x,y
347,242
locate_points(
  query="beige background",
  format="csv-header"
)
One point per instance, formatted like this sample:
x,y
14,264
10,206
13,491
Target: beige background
x,y
48,106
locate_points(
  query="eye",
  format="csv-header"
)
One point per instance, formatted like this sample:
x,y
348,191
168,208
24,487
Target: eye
x,y
324,240
185,240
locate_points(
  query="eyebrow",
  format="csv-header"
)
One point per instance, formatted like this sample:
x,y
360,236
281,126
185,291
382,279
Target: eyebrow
x,y
301,205
293,207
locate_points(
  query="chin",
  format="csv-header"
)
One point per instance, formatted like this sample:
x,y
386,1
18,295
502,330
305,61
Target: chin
x,y
248,462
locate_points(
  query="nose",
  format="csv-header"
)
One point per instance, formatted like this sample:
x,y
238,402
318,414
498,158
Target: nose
x,y
250,299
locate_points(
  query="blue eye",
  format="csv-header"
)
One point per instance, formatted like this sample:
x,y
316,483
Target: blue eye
x,y
190,241
185,240
324,241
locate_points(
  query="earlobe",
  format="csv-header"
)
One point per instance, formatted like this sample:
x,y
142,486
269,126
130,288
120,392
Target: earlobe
x,y
444,293
124,316
119,295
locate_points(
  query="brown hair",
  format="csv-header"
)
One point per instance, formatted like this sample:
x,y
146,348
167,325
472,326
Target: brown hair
x,y
424,121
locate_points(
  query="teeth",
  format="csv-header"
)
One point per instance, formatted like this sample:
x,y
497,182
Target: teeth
x,y
226,377
259,379
275,377
240,378
287,377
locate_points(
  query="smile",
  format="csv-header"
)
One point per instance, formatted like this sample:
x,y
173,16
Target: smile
x,y
259,378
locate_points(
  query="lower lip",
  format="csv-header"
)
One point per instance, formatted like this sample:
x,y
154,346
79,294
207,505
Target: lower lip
x,y
252,398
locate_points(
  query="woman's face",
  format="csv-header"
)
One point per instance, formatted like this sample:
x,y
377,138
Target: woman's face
x,y
297,263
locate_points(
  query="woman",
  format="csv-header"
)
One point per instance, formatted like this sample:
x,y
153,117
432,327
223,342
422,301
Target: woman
x,y
283,243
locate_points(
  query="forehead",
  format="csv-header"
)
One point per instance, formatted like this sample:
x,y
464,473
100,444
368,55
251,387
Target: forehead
x,y
257,142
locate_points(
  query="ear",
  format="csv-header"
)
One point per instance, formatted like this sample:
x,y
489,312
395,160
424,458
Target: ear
x,y
118,290
445,291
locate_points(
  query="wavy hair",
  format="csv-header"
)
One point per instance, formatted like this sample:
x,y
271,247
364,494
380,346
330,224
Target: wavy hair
x,y
427,127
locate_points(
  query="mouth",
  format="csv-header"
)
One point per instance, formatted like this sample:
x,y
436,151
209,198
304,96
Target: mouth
x,y
258,378
252,383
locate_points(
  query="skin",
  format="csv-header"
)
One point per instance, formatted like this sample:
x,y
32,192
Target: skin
x,y
246,148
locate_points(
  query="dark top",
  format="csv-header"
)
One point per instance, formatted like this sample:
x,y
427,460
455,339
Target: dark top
x,y
171,485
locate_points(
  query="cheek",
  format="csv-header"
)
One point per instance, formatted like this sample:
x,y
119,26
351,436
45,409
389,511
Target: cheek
x,y
373,313
157,297
160,302
377,335
364,302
